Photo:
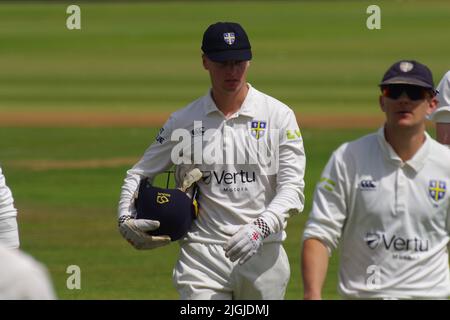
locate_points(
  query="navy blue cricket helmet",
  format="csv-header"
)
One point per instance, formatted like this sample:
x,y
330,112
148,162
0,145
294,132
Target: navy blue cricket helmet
x,y
173,208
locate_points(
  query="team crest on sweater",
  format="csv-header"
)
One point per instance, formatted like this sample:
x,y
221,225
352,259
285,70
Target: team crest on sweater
x,y
437,189
258,129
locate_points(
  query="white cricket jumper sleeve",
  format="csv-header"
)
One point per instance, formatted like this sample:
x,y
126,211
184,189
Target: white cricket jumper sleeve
x,y
9,234
156,159
329,210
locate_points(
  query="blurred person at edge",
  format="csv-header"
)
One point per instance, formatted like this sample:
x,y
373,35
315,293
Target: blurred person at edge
x,y
441,116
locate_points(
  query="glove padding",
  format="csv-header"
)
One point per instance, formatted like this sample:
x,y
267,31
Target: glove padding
x,y
190,177
134,231
244,243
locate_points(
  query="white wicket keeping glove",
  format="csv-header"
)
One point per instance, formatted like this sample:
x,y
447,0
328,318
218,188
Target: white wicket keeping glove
x,y
134,231
245,240
190,178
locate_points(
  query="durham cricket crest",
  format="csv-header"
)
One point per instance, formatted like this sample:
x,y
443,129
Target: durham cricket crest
x,y
229,38
436,189
258,129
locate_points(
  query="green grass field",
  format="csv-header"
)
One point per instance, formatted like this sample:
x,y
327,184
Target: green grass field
x,y
317,57
138,57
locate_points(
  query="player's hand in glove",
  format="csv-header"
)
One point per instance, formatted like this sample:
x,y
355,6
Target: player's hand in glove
x,y
245,240
190,177
135,232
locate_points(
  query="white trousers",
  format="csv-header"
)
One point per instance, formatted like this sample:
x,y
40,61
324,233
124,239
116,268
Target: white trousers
x,y
203,272
9,233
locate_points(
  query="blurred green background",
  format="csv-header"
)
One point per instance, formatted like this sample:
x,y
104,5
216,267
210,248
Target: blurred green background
x,y
135,58
317,56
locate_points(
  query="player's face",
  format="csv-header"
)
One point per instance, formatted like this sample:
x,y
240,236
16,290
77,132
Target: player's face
x,y
406,106
228,76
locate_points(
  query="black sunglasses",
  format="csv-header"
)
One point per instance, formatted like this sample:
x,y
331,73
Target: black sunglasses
x,y
413,92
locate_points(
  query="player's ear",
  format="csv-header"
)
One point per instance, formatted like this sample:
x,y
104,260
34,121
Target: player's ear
x,y
205,61
432,105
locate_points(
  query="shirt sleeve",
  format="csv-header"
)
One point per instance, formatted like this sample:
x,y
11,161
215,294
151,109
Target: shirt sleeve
x,y
329,209
7,208
37,284
448,221
156,159
9,232
289,198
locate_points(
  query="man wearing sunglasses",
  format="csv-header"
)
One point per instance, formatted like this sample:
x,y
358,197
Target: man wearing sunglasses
x,y
384,198
442,114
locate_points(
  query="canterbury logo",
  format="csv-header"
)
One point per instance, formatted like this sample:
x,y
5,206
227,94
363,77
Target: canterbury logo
x,y
162,198
367,184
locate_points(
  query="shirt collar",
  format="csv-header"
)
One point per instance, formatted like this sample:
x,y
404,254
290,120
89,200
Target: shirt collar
x,y
209,104
417,162
247,107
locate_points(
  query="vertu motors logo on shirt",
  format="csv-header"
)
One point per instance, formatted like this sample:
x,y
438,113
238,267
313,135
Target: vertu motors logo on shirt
x,y
372,239
396,243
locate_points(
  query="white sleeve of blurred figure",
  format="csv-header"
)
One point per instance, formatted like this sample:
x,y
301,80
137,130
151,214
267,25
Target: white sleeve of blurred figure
x,y
442,113
9,235
156,159
23,278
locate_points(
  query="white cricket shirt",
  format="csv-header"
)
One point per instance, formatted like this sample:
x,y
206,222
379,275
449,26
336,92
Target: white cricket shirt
x,y
6,200
391,218
238,184
9,234
22,277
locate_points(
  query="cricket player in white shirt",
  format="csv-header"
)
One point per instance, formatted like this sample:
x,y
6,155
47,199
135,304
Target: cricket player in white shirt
x,y
441,116
384,198
22,277
234,248
9,234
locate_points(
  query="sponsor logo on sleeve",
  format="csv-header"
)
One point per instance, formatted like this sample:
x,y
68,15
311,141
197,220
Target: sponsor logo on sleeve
x,y
327,184
293,134
159,138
